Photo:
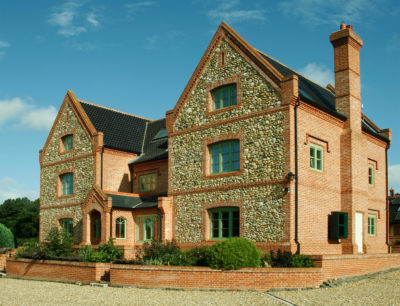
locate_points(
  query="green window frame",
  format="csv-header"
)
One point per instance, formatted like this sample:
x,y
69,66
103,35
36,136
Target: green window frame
x,y
224,96
224,222
67,183
370,175
148,228
371,225
66,224
316,157
147,182
67,142
120,228
225,157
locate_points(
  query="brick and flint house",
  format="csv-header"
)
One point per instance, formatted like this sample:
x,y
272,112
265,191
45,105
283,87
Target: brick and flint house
x,y
251,149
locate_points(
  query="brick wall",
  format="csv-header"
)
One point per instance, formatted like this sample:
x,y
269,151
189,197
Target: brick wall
x,y
56,270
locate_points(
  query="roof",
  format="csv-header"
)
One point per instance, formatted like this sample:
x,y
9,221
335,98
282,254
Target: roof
x,y
122,131
319,96
155,147
132,202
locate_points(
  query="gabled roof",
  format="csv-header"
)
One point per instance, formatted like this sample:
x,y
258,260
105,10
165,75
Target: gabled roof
x,y
153,149
122,131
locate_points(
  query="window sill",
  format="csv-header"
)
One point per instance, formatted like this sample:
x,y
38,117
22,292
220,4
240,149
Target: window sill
x,y
66,152
65,196
224,174
221,110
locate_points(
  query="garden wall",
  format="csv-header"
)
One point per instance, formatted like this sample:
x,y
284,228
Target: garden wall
x,y
3,260
85,272
206,278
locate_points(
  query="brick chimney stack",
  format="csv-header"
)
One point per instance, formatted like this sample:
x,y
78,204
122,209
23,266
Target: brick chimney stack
x,y
347,47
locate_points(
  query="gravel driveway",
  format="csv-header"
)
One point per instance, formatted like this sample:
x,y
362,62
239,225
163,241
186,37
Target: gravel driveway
x,y
381,289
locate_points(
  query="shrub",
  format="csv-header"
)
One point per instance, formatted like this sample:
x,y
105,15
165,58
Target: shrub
x,y
59,243
157,249
198,256
106,252
5,250
234,253
281,259
6,237
266,260
85,253
32,250
302,261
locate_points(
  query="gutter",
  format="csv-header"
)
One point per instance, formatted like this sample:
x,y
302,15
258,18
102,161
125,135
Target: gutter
x,y
296,193
101,167
387,199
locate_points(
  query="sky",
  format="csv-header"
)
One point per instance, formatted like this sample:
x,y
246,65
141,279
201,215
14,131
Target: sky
x,y
137,56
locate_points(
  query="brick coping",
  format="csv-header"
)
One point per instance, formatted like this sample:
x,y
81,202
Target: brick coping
x,y
59,262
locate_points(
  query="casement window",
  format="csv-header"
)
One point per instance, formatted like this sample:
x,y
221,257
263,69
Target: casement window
x,y
370,175
67,142
225,222
371,225
316,157
224,96
66,225
224,157
147,182
148,228
66,184
120,228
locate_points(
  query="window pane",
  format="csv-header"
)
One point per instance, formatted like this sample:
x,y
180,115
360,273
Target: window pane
x,y
215,164
225,224
319,164
225,97
319,154
148,230
233,95
235,223
312,162
217,98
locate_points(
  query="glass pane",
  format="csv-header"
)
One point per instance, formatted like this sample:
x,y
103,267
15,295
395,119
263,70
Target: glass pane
x,y
225,97
233,95
319,164
226,167
235,156
235,223
148,229
217,97
215,224
225,224
215,164
312,152
235,166
312,162
319,154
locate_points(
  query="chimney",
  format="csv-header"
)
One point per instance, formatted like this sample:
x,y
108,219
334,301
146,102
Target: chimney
x,y
392,192
347,45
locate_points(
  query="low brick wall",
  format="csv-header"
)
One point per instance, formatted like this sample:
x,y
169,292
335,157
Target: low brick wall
x,y
336,266
205,278
3,260
84,272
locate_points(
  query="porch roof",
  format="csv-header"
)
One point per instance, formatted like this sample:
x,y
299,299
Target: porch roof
x,y
132,202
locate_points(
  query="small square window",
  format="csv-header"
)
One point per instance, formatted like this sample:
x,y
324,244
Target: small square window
x,y
371,225
225,222
67,142
224,96
66,225
66,184
147,182
316,157
370,175
225,157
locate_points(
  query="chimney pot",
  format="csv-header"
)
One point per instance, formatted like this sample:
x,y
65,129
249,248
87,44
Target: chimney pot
x,y
342,26
349,27
391,192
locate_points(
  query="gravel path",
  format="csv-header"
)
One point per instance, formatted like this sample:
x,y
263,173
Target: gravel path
x,y
381,289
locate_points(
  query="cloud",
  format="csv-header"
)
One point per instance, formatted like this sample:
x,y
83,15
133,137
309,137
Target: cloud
x,y
3,44
231,13
72,20
10,189
394,177
329,11
135,7
25,115
319,74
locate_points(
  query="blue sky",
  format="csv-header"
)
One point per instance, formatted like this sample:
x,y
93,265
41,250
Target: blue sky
x,y
136,56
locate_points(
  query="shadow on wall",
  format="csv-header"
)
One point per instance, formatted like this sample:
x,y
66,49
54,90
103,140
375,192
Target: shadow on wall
x,y
124,186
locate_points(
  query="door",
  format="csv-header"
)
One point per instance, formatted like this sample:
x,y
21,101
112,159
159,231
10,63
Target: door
x,y
359,232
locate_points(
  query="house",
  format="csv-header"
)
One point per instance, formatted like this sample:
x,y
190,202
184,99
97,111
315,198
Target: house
x,y
252,149
394,217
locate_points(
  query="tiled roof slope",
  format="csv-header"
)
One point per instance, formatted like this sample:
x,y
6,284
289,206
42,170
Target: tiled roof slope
x,y
318,95
129,202
153,149
122,131
394,210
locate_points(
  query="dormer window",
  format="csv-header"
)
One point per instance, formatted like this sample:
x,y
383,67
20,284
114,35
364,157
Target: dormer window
x,y
163,133
67,142
224,96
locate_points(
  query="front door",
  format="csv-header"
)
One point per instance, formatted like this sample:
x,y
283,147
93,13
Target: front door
x,y
95,227
359,232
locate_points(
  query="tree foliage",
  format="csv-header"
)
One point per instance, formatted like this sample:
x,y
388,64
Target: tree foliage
x,y
21,216
6,237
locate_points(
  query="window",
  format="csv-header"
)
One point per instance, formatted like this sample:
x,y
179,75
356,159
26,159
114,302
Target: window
x,y
148,228
120,228
67,142
67,184
370,175
224,156
315,157
147,182
224,96
163,133
224,222
371,225
66,225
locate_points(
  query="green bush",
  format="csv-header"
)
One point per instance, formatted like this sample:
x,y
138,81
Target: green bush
x,y
266,260
6,237
5,250
59,243
281,259
158,250
234,253
302,261
32,250
198,256
106,252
